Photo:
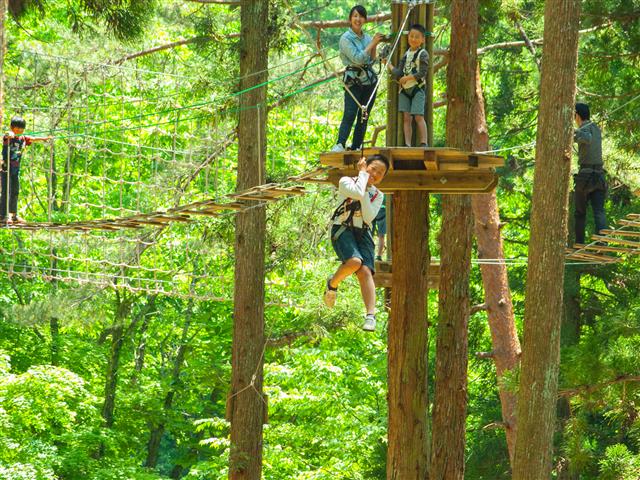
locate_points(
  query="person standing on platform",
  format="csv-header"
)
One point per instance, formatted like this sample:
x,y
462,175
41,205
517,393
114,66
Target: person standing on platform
x,y
13,144
590,185
411,73
357,52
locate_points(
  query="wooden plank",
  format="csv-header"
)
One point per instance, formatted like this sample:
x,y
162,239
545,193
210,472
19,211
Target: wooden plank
x,y
621,233
609,248
430,160
455,159
619,241
629,223
581,254
438,182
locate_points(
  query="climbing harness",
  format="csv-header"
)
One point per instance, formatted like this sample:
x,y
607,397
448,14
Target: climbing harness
x,y
410,89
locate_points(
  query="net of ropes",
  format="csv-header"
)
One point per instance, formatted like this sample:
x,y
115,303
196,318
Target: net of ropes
x,y
133,157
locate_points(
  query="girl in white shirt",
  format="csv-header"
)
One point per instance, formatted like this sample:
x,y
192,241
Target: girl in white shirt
x,y
351,238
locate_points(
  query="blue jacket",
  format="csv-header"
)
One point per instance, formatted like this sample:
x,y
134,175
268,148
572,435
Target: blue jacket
x,y
352,53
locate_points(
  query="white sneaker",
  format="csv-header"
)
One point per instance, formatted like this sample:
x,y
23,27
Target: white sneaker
x,y
338,147
330,295
369,323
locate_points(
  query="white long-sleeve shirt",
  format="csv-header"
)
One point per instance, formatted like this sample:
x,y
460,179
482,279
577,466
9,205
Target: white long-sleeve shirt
x,y
370,198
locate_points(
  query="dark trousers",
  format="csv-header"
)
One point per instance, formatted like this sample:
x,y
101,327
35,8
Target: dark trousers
x,y
586,194
9,182
352,112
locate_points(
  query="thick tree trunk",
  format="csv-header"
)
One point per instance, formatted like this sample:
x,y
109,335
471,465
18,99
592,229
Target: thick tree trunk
x,y
247,403
3,44
497,295
407,452
543,306
450,403
408,398
153,447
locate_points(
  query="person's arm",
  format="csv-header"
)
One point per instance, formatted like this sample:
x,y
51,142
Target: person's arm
x,y
396,72
582,136
372,48
355,188
370,209
423,66
30,140
355,55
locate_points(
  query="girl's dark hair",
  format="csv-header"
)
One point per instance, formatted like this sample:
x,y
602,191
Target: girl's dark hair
x,y
18,122
379,158
360,9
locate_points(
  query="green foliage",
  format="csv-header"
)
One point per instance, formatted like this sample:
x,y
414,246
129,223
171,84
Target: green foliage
x,y
130,138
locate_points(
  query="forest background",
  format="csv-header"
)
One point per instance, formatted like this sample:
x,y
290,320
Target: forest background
x,y
131,382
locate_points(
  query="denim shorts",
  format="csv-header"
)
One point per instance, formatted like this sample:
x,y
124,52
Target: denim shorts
x,y
415,105
356,243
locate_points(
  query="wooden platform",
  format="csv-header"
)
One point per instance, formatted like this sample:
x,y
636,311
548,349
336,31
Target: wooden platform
x,y
439,170
383,276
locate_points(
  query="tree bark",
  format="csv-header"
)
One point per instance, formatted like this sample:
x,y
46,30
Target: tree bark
x,y
544,294
3,47
408,445
247,404
407,350
504,336
450,402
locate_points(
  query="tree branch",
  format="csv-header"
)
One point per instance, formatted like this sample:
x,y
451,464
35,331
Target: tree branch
x,y
586,389
218,2
321,25
479,308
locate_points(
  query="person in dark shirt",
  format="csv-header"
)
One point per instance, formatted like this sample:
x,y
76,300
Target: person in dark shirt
x,y
13,145
590,185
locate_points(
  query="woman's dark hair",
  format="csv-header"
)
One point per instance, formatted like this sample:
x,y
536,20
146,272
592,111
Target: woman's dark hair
x,y
379,158
582,109
360,9
18,122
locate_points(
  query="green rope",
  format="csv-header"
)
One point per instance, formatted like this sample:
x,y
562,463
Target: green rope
x,y
197,117
179,109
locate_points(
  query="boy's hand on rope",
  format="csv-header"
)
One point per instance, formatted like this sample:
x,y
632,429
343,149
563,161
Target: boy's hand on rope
x,y
362,165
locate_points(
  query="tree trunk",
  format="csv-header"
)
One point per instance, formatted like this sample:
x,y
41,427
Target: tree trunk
x,y
544,295
407,371
450,402
408,447
111,379
3,47
247,404
153,447
497,296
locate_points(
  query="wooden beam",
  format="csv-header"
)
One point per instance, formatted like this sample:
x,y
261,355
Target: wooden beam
x,y
621,233
431,181
619,241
